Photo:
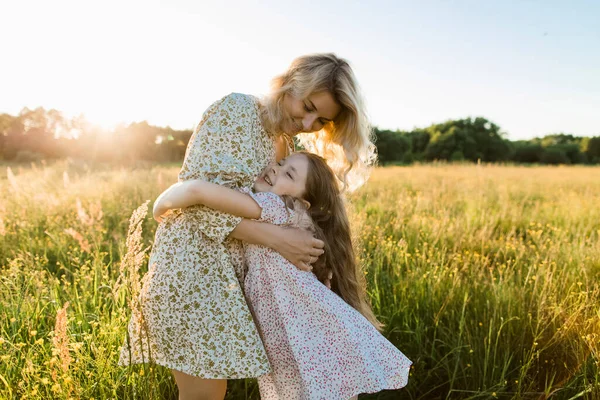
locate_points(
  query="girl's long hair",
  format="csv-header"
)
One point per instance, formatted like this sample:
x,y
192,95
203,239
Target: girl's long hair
x,y
328,212
347,142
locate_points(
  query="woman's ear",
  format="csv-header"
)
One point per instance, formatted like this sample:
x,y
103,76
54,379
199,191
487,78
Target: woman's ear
x,y
306,203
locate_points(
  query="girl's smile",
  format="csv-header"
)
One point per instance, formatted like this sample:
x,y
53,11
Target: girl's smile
x,y
286,178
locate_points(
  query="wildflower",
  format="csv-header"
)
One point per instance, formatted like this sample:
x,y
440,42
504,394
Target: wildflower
x,y
13,319
2,340
45,381
33,333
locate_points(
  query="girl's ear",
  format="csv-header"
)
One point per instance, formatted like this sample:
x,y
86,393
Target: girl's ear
x,y
306,203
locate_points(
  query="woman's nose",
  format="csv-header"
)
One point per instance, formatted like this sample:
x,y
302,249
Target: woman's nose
x,y
308,121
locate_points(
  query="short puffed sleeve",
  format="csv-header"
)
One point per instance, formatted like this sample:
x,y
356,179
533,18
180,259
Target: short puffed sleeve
x,y
223,150
273,208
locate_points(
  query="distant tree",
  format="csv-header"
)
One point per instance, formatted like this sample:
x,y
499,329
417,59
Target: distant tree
x,y
558,139
391,145
572,151
476,139
554,155
419,139
591,148
525,152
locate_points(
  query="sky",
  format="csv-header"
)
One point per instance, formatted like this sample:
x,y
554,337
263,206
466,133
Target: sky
x,y
531,67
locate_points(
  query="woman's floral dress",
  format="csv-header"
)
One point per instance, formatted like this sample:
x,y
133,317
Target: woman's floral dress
x,y
194,317
319,347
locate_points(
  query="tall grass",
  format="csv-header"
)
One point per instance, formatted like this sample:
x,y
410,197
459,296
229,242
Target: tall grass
x,y
485,276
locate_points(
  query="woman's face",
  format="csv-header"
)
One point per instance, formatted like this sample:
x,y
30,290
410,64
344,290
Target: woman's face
x,y
309,114
287,177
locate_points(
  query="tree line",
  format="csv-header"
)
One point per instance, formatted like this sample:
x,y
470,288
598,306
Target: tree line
x,y
38,134
477,139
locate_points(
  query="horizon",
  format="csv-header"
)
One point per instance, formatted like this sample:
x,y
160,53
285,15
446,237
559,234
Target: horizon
x,y
527,67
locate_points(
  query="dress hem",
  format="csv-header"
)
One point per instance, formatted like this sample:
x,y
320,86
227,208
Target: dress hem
x,y
188,371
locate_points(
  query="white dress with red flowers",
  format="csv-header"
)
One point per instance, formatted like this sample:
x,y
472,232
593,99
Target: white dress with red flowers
x,y
319,347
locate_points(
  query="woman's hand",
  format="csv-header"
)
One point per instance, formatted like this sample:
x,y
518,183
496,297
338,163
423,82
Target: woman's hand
x,y
298,246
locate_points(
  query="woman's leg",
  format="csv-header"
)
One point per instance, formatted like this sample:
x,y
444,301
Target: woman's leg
x,y
194,388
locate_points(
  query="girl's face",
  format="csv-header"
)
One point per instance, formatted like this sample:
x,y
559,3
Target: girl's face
x,y
309,114
288,177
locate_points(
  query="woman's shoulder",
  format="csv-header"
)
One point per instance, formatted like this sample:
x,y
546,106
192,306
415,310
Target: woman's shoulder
x,y
236,108
240,101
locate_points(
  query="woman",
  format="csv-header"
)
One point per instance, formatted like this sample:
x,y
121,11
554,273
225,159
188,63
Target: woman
x,y
195,318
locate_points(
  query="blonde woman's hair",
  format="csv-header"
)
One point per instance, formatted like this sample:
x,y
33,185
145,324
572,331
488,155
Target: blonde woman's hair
x,y
347,142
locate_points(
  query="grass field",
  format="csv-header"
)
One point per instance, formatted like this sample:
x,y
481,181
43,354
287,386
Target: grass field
x,y
487,277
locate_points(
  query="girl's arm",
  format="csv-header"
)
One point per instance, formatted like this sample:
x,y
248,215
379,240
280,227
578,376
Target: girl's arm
x,y
194,192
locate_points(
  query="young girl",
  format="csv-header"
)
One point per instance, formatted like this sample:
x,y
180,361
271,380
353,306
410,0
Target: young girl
x,y
321,343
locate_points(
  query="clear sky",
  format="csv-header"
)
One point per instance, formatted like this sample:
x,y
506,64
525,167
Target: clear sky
x,y
532,67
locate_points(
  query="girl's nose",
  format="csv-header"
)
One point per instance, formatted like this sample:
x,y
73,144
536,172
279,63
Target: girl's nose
x,y
308,122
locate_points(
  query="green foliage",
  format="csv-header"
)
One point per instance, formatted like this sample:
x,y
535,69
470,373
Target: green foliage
x,y
525,152
391,145
554,155
592,149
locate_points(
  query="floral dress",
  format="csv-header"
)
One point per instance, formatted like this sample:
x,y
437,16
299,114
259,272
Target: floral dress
x,y
319,347
194,317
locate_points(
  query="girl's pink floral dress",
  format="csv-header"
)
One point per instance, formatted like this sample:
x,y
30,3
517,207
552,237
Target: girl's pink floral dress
x,y
319,347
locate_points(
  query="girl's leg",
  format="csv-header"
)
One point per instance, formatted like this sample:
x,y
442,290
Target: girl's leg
x,y
194,388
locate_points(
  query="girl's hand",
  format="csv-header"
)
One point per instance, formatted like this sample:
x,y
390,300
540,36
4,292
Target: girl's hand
x,y
299,247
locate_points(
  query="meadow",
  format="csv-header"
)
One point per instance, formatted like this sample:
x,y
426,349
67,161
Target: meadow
x,y
486,276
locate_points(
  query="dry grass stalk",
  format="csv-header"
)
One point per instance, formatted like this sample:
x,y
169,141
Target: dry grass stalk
x,y
82,215
12,180
83,243
134,258
130,266
60,341
66,180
